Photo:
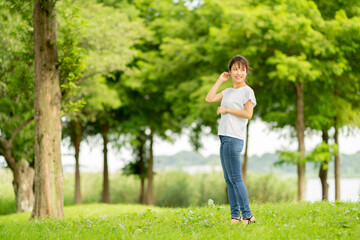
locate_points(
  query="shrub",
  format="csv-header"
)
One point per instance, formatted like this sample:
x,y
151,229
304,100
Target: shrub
x,y
270,188
172,189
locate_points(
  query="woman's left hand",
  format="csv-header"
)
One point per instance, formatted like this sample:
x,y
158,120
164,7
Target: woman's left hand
x,y
221,110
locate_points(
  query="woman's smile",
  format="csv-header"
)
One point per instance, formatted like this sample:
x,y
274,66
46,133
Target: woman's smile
x,y
238,78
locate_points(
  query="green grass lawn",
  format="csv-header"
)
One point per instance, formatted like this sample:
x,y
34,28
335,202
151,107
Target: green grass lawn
x,y
320,220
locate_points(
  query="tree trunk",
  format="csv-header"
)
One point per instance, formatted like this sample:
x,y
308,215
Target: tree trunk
x,y
23,181
323,171
23,186
337,163
142,193
49,201
300,130
142,173
150,197
76,140
245,163
106,191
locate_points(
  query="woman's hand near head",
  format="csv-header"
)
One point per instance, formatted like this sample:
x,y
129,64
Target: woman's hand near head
x,y
224,76
212,96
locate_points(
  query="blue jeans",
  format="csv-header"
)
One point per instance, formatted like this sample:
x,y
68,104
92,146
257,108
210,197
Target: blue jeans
x,y
230,150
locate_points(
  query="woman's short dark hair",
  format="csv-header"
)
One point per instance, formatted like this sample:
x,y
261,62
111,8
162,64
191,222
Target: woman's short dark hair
x,y
240,61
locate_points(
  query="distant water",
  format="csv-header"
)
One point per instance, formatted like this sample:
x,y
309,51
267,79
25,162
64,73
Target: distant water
x,y
349,189
201,169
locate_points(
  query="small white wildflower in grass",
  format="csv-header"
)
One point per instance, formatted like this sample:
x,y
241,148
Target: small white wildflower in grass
x,y
138,230
122,226
207,223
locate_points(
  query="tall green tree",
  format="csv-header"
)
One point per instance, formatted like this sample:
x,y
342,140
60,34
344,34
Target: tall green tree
x,y
166,72
343,30
346,85
131,127
139,165
72,65
16,98
276,38
105,40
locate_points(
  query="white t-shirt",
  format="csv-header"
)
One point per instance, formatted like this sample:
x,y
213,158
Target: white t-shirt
x,y
231,125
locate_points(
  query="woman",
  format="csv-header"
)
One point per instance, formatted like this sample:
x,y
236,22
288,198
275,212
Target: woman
x,y
236,109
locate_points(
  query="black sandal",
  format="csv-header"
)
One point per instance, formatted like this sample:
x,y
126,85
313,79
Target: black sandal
x,y
247,221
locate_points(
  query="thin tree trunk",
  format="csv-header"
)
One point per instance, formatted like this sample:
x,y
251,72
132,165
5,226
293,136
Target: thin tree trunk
x,y
150,197
323,171
142,173
245,163
337,162
142,193
49,201
76,140
106,190
300,130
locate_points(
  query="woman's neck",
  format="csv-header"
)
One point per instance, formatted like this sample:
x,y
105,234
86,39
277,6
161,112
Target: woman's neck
x,y
239,85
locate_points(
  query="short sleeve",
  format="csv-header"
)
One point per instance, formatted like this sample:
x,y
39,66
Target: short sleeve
x,y
224,91
249,95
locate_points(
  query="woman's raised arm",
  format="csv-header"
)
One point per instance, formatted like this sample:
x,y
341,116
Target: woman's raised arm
x,y
212,96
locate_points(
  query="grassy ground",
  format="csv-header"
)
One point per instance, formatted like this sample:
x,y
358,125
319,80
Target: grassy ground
x,y
320,220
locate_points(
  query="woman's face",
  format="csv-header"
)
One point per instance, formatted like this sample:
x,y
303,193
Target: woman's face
x,y
238,72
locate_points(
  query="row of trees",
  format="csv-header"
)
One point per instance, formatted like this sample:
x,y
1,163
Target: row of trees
x,y
131,70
